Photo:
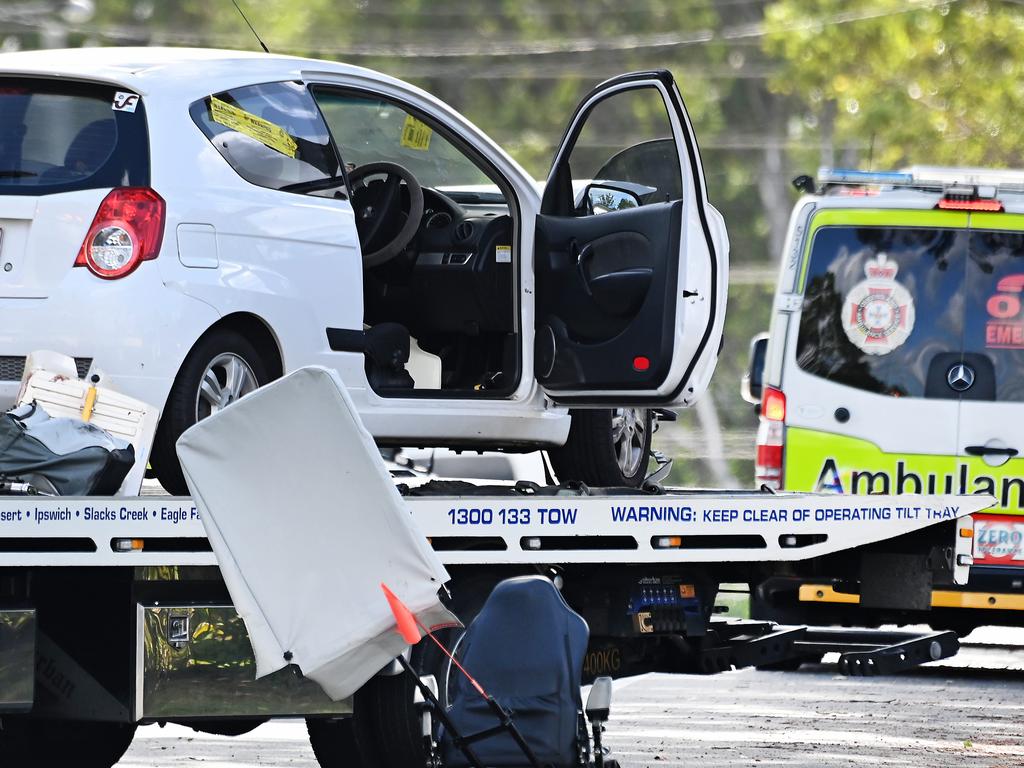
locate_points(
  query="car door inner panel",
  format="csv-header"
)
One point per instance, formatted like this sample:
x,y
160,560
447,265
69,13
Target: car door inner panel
x,y
606,297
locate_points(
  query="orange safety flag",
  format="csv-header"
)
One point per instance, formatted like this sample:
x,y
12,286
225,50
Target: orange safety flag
x,y
409,628
403,617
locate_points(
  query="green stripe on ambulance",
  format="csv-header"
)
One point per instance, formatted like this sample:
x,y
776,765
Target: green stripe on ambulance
x,y
824,461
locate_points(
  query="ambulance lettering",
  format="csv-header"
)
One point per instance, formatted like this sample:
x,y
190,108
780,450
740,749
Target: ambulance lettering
x,y
1005,327
1008,490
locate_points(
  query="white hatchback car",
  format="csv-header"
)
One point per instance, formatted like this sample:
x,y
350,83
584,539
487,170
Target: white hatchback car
x,y
194,223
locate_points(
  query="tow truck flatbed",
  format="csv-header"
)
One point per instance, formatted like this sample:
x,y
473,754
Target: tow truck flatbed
x,y
513,525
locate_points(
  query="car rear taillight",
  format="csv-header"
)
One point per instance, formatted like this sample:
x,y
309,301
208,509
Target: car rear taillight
x,y
770,439
127,230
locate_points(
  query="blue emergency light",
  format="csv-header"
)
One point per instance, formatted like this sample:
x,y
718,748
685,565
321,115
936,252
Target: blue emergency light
x,y
851,176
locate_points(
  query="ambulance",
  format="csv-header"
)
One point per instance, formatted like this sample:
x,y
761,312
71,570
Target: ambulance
x,y
894,364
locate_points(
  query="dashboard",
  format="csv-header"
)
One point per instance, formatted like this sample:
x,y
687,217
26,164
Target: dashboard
x,y
456,275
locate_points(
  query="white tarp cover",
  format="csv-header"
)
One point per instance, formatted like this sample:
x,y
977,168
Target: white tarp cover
x,y
306,523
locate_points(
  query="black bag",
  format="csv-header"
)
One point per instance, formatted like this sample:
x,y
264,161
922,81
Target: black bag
x,y
69,456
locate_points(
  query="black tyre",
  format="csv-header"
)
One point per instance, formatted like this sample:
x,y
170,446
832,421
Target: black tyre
x,y
36,742
334,743
605,447
387,727
222,367
962,628
387,723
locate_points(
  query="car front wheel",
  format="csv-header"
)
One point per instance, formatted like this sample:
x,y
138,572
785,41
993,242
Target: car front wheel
x,y
223,367
606,447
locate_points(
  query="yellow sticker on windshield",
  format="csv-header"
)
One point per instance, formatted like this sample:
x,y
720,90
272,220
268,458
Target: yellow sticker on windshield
x,y
415,134
264,131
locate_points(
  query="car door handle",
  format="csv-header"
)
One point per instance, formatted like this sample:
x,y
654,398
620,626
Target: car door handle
x,y
984,450
581,255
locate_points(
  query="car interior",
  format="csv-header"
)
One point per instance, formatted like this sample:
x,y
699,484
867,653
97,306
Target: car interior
x,y
436,232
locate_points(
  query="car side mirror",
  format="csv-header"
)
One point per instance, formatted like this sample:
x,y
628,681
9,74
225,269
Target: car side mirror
x,y
599,702
604,198
752,383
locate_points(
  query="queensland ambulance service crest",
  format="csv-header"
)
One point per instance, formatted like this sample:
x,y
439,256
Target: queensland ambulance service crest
x,y
878,314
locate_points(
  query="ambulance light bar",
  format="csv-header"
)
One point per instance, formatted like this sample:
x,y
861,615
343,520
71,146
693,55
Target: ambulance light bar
x,y
932,175
851,176
987,181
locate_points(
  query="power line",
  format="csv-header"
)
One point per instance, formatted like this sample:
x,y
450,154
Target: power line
x,y
534,11
498,49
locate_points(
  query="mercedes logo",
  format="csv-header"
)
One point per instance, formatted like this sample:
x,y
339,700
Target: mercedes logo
x,y
960,377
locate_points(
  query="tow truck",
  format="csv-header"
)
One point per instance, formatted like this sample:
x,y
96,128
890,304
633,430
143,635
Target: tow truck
x,y
113,612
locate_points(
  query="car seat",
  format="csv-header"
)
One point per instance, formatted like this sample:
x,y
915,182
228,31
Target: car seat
x,y
89,150
526,648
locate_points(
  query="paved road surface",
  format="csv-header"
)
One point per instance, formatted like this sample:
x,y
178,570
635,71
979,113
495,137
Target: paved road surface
x,y
966,712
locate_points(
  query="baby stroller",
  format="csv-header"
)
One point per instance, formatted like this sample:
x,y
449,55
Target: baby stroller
x,y
522,706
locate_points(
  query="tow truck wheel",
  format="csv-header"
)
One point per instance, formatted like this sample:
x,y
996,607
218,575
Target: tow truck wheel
x,y
386,722
606,447
33,741
222,367
388,730
334,743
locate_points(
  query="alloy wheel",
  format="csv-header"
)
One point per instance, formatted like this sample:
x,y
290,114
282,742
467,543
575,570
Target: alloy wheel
x,y
227,378
629,438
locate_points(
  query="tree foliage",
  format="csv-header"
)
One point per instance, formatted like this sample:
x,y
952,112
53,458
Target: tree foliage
x,y
925,82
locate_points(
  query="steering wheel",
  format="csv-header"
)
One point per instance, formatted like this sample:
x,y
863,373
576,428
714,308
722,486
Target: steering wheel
x,y
378,210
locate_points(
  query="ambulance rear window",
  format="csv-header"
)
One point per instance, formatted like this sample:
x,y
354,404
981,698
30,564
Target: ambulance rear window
x,y
994,307
880,303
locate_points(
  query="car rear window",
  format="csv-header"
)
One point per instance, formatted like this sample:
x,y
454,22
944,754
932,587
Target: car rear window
x,y
881,304
61,136
272,134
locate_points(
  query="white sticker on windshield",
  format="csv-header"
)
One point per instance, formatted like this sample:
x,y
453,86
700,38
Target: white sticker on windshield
x,y
125,102
878,314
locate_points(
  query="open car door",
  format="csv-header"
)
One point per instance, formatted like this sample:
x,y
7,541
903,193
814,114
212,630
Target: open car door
x,y
630,258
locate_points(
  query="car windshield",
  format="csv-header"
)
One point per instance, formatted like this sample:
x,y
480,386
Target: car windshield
x,y
63,136
369,130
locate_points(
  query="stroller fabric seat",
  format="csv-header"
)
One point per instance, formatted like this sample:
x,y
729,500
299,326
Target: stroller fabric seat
x,y
526,648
